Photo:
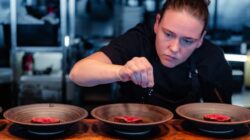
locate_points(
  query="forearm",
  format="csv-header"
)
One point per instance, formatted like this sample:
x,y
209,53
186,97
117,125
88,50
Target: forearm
x,y
89,72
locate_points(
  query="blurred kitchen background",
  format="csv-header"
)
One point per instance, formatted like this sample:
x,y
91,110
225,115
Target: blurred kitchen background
x,y
40,40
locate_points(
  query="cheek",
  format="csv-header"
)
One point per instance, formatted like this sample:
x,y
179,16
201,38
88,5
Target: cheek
x,y
159,45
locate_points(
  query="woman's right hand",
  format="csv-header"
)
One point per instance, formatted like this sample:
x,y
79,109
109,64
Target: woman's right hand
x,y
139,71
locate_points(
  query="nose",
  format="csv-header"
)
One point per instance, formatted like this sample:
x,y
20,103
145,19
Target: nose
x,y
174,45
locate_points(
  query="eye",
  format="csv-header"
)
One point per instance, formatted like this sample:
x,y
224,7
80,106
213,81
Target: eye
x,y
186,42
169,35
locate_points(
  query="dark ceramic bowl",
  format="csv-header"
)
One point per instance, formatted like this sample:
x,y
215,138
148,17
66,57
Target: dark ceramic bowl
x,y
67,114
194,113
150,114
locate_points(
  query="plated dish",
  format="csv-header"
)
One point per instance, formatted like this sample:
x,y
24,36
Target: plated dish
x,y
67,114
195,113
149,115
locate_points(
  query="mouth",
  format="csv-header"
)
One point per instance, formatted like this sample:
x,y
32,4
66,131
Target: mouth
x,y
169,57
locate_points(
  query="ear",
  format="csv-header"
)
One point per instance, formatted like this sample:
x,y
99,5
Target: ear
x,y
156,24
201,39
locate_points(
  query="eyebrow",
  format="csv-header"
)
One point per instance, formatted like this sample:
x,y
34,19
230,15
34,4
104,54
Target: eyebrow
x,y
167,30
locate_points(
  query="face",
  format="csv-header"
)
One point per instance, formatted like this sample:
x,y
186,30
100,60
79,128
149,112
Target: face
x,y
178,34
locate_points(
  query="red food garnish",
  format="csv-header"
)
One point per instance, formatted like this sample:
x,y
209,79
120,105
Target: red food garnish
x,y
44,120
128,119
217,117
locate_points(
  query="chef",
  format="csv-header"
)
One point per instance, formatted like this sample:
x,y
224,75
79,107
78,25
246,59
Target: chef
x,y
169,64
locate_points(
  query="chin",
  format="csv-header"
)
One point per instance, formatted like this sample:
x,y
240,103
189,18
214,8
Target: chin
x,y
168,64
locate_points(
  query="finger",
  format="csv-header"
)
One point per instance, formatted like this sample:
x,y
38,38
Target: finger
x,y
147,74
138,78
143,66
134,79
150,78
144,79
139,67
132,66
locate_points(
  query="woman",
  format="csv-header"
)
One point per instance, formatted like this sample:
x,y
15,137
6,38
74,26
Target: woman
x,y
172,57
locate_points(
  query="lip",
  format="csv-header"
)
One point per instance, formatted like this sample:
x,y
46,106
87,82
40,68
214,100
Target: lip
x,y
169,57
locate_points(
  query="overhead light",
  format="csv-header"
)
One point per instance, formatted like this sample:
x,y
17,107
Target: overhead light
x,y
236,57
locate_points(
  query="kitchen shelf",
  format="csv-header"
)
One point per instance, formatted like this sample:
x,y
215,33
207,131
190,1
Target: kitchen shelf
x,y
61,48
33,49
